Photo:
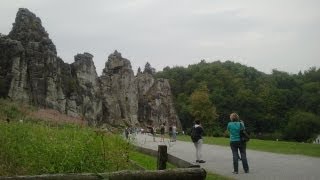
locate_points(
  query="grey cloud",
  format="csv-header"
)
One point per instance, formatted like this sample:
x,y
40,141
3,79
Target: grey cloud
x,y
264,34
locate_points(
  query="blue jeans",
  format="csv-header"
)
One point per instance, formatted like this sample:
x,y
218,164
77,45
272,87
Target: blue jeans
x,y
235,145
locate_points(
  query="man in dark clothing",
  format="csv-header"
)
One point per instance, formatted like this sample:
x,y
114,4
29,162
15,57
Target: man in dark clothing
x,y
162,130
196,136
152,133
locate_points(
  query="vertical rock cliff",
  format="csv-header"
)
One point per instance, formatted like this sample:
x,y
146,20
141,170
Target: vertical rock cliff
x,y
155,100
31,72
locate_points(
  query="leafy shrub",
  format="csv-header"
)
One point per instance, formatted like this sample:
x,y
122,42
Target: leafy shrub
x,y
302,126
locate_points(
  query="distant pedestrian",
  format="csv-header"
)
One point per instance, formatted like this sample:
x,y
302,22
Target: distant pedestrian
x,y
174,132
170,133
152,132
162,130
234,130
126,132
196,136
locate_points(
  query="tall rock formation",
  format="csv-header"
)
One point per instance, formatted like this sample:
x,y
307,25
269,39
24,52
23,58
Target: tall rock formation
x,y
88,89
31,72
34,64
155,100
119,91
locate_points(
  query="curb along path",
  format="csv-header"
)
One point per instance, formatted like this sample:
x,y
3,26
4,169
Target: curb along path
x,y
263,165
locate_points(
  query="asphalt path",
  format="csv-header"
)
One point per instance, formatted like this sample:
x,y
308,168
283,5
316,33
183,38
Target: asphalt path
x,y
263,165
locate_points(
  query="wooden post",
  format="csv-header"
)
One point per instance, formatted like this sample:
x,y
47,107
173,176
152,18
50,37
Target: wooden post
x,y
162,157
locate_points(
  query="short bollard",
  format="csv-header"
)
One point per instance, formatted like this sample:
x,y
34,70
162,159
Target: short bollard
x,y
162,157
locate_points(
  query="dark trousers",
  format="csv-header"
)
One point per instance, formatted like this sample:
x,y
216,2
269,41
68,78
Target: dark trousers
x,y
235,145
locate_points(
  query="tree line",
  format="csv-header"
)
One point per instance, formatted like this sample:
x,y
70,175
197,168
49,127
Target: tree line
x,y
279,105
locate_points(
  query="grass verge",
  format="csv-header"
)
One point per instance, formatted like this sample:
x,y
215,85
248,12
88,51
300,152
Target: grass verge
x,y
281,147
146,161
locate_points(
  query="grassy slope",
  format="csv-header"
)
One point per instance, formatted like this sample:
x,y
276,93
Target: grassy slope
x,y
268,146
37,147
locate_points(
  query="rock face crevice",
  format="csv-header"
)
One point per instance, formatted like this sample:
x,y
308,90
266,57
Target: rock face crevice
x,y
31,72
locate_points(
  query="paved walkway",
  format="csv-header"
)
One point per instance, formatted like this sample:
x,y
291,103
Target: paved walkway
x,y
263,165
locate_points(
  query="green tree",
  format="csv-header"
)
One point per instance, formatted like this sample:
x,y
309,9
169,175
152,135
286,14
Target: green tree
x,y
202,109
264,101
302,126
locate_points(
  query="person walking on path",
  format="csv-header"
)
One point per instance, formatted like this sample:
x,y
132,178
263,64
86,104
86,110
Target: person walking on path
x,y
234,130
162,129
174,133
196,136
126,132
152,132
170,133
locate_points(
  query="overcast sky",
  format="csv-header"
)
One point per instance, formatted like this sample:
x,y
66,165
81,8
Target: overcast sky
x,y
265,34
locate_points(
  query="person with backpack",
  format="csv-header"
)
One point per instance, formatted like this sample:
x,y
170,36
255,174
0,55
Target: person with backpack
x,y
196,137
234,128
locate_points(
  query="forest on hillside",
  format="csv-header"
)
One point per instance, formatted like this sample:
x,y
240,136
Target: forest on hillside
x,y
273,106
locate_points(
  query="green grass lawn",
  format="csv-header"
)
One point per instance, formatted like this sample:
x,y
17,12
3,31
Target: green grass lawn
x,y
146,161
281,147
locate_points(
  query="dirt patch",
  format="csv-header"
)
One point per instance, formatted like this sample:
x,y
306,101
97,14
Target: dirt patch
x,y
55,116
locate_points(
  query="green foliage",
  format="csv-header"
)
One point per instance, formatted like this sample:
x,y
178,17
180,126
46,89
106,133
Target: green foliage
x,y
302,126
263,101
29,148
183,108
202,108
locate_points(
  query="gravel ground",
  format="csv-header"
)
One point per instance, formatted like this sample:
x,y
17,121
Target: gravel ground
x,y
263,165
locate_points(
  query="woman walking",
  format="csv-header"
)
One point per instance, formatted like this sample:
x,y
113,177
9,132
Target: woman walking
x,y
234,130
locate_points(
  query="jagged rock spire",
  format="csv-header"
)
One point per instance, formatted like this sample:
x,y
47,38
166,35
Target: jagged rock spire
x,y
117,63
28,28
115,55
